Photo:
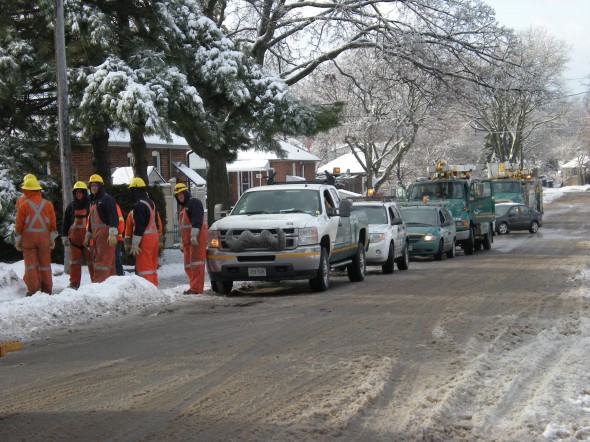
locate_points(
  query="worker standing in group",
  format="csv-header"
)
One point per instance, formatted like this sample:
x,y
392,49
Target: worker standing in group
x,y
102,229
145,240
193,233
73,232
35,232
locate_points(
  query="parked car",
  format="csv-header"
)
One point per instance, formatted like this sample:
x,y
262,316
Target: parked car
x,y
388,235
432,230
515,216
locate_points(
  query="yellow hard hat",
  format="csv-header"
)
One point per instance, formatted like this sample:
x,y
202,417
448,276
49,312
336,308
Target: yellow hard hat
x,y
80,185
137,182
31,183
180,187
95,179
27,176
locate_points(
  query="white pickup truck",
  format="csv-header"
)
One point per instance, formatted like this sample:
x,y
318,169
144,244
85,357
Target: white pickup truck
x,y
286,232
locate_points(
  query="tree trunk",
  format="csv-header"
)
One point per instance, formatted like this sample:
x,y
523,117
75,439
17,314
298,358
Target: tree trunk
x,y
100,149
138,147
219,192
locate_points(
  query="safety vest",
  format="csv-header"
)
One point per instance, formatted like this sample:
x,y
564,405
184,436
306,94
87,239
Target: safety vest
x,y
152,227
37,223
80,219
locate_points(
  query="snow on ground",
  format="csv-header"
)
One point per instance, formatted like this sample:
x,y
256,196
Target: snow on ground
x,y
561,401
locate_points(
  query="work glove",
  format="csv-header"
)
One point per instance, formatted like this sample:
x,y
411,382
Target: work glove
x,y
181,247
65,241
18,246
162,241
52,244
194,234
87,239
135,245
135,250
127,244
112,240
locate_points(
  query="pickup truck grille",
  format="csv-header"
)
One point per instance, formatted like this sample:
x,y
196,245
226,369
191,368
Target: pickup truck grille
x,y
239,240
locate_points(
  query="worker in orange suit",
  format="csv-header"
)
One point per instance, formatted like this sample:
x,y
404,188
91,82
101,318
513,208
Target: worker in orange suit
x,y
73,232
35,232
193,233
129,231
145,240
102,229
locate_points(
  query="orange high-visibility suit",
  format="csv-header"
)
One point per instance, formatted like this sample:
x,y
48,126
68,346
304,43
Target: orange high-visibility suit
x,y
103,230
35,232
145,241
74,228
193,232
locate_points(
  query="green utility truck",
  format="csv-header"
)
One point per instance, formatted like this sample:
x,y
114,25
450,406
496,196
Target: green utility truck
x,y
470,200
512,184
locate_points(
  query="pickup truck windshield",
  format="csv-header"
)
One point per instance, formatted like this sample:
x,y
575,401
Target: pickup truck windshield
x,y
278,201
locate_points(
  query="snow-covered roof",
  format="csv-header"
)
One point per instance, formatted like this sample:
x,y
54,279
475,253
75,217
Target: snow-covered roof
x,y
122,138
190,173
251,165
295,151
346,163
576,162
123,175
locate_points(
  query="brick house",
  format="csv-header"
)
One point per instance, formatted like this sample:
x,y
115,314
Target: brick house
x,y
574,172
252,168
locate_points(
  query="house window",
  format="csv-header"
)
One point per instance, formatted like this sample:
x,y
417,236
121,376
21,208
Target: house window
x,y
156,160
130,160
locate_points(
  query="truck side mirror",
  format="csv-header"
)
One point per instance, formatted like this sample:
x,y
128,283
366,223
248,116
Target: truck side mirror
x,y
344,208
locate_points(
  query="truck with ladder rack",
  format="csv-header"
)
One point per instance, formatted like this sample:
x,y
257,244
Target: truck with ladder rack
x,y
470,200
513,184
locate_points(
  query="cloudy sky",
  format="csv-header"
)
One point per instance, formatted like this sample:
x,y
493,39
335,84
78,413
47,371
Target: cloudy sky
x,y
566,19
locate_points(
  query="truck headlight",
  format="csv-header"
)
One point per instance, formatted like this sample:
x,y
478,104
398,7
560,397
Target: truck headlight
x,y
307,236
213,239
430,237
376,237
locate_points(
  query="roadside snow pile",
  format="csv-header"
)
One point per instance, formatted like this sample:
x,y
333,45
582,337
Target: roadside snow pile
x,y
28,318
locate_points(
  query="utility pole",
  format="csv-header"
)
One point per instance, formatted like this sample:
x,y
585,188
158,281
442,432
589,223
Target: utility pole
x,y
63,114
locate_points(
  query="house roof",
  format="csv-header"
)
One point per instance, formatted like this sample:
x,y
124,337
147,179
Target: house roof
x,y
251,165
576,162
346,163
295,151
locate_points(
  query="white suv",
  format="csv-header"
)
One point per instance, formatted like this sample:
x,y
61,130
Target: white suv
x,y
388,235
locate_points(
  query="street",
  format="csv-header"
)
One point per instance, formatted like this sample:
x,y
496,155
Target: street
x,y
432,353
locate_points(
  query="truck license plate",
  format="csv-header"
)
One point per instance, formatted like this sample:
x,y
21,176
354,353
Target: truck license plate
x,y
256,271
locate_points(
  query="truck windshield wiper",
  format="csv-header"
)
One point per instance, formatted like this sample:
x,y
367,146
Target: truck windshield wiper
x,y
293,211
256,212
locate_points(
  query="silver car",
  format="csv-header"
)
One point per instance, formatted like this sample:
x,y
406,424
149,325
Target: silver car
x,y
388,235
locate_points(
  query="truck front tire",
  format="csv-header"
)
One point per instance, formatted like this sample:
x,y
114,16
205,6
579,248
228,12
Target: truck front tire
x,y
358,267
321,282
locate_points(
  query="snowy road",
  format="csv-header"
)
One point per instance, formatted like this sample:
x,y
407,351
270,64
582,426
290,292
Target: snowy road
x,y
489,347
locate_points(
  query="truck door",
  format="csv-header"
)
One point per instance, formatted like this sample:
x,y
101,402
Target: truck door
x,y
482,203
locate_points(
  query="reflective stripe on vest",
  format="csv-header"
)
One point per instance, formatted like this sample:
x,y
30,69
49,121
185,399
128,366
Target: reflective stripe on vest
x,y
95,221
37,216
151,227
194,264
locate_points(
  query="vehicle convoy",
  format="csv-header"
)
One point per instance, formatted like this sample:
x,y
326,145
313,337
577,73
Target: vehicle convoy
x,y
286,232
388,234
512,184
432,230
470,200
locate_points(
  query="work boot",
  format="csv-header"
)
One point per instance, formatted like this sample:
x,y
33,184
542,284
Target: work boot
x,y
190,292
72,286
30,294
